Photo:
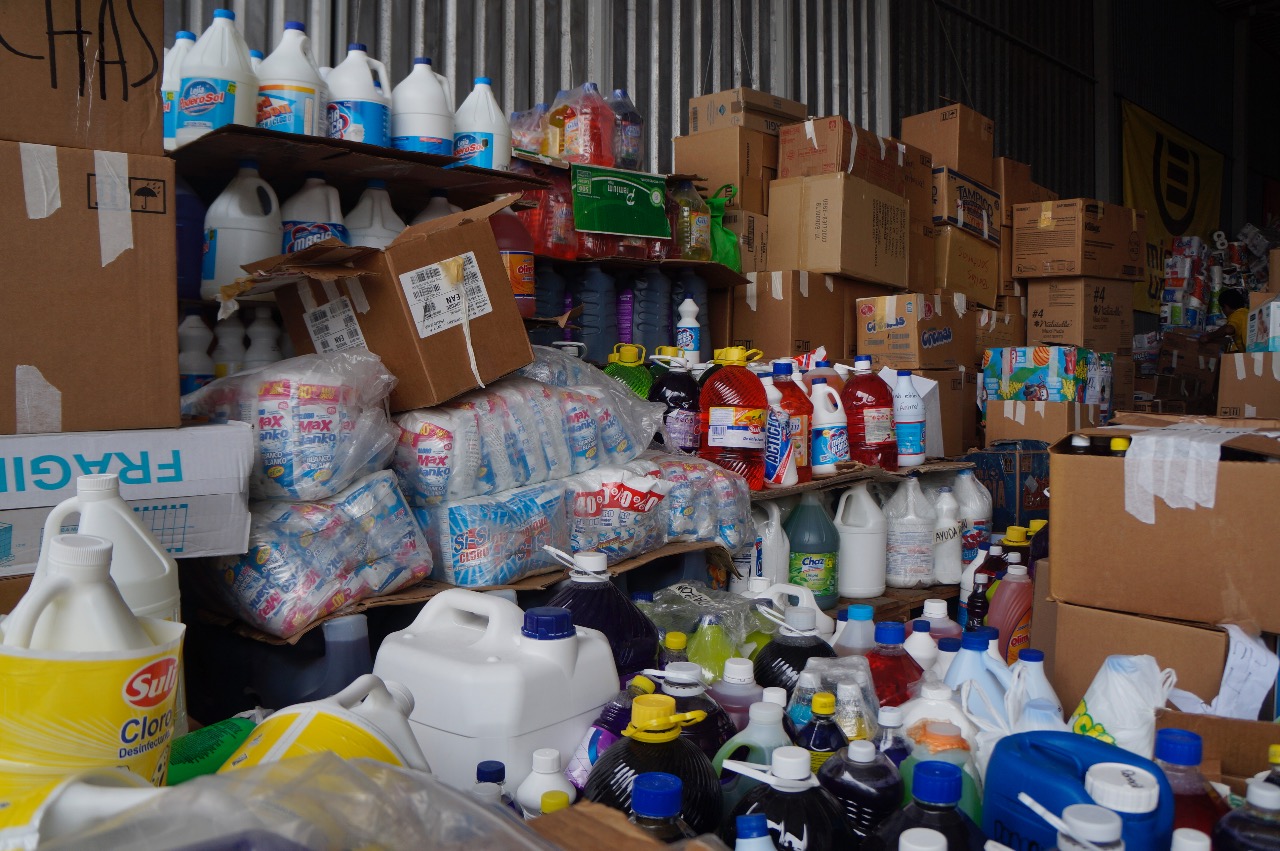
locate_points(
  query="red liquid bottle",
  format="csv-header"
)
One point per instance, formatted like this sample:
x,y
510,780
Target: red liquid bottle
x,y
893,670
589,134
556,236
1195,803
732,412
516,247
868,403
800,409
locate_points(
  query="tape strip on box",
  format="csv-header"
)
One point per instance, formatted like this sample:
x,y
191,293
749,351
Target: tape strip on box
x,y
40,182
37,403
115,213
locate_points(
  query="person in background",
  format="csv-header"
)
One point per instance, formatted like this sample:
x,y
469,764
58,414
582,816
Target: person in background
x,y
1235,306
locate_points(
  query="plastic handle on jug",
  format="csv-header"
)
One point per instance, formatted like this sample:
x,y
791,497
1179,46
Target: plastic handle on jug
x,y
20,626
365,686
775,513
844,500
53,526
383,77
765,776
503,619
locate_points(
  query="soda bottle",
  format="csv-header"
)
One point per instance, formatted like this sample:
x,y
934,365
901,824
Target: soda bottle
x,y
891,741
588,135
815,550
693,223
678,391
516,247
868,405
737,691
628,132
764,734
683,681
1196,804
1256,825
733,411
936,790
628,369
800,409
798,811
780,662
866,783
605,730
858,638
673,649
655,806
908,421
821,736
893,671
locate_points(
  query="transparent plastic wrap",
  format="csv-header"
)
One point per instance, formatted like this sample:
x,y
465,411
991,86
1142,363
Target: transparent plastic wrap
x,y
309,559
318,802
706,502
320,421
618,510
681,607
641,419
493,540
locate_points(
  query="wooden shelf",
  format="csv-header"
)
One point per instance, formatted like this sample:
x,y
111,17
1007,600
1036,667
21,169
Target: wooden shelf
x,y
898,604
852,472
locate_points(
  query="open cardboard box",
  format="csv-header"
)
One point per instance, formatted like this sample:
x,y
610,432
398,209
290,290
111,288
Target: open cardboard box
x,y
1234,750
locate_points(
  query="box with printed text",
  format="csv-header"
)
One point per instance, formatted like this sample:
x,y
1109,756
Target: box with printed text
x,y
914,331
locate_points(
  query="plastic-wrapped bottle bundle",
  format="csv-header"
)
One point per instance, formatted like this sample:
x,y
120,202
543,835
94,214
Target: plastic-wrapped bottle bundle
x,y
616,510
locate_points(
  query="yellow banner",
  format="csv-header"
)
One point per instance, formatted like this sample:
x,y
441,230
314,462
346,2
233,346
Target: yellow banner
x,y
1178,181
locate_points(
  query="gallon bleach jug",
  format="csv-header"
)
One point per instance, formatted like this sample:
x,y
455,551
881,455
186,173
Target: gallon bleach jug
x,y
373,221
863,544
481,134
768,555
218,83
195,367
311,215
291,93
359,108
71,804
493,682
171,84
264,340
421,113
241,227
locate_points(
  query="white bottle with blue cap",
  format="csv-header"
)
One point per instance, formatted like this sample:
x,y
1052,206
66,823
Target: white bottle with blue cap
x,y
373,221
311,215
171,84
291,93
421,117
359,103
481,133
242,226
255,59
218,84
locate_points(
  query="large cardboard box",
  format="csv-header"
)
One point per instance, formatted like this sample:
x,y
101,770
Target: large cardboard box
x,y
1047,421
720,317
1249,385
1174,526
1012,180
746,158
436,306
853,291
966,265
840,225
1123,379
1016,472
958,138
1008,285
784,314
1090,312
1263,331
190,486
1000,329
832,145
914,331
83,75
752,230
963,202
957,391
1079,237
747,108
90,340
917,165
1183,353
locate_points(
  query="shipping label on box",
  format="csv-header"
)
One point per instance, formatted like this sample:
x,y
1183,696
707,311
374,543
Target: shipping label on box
x,y
1016,473
966,265
1036,374
1079,237
752,230
915,331
784,314
1263,334
746,158
1249,385
958,138
1088,312
967,204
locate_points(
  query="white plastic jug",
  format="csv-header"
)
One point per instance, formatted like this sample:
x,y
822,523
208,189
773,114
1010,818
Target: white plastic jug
x,y
481,134
218,84
264,336
864,537
437,208
311,215
292,96
359,103
171,84
373,221
830,429
493,682
228,351
937,702
241,226
781,595
911,522
421,114
768,556
195,367
975,513
947,540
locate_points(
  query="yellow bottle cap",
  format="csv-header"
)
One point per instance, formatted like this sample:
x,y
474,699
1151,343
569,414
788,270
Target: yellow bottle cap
x,y
824,703
1015,535
613,357
669,352
556,799
675,641
654,719
628,354
737,356
643,683
1273,754
1036,525
1120,444
648,708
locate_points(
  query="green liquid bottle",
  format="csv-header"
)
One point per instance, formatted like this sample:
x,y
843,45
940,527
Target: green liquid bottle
x,y
626,365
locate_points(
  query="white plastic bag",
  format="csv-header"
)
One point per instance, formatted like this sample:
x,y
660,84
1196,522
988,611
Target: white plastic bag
x,y
1120,705
1022,714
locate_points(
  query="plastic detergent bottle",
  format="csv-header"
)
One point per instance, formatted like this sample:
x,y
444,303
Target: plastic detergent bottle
x,y
516,247
893,671
908,420
683,681
1011,611
688,329
940,625
733,417
937,702
823,369
910,520
969,665
693,223
815,550
595,602
795,806
821,736
966,581
372,221
975,513
545,778
218,84
359,108
868,404
1256,825
936,789
203,751
495,772
605,730
311,215
1015,540
678,391
437,208
941,741
228,350
865,782
1038,685
737,691
1090,823
1195,803
171,84
890,740
255,59
858,638
756,743
242,226
780,662
421,115
799,409
710,647
753,833
830,442
655,806
292,97
628,369
264,340
599,319
481,134
628,134
769,560
779,447
948,649
588,136
689,285
863,532
195,367
653,742
651,310
920,645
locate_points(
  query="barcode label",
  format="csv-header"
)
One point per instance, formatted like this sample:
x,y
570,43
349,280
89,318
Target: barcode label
x,y
441,296
333,327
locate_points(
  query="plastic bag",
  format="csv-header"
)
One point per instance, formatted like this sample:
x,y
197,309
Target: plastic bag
x,y
725,248
617,510
309,559
1120,705
680,607
1020,714
320,421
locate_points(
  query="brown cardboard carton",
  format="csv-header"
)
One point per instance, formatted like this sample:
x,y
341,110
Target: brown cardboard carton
x,y
1001,328
12,588
435,305
922,256
1012,180
1007,285
1090,312
1183,353
1123,376
90,339
840,225
958,406
746,158
789,313
914,331
752,230
1249,385
832,145
1191,563
1079,237
965,203
589,827
83,77
745,108
1047,421
958,138
853,291
966,265
917,168
1273,278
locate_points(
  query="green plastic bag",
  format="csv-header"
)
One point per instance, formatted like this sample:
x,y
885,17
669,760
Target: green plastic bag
x,y
724,242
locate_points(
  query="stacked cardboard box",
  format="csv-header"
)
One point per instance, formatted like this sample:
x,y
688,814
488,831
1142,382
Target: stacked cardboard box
x,y
1012,180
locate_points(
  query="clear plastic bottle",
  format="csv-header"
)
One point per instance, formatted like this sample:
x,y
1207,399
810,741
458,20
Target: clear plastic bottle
x,y
553,134
853,714
655,806
966,581
1256,825
890,740
1196,804
895,674
765,732
588,136
495,772
780,662
911,521
195,367
373,222
908,422
596,602
605,730
858,638
940,624
733,411
948,540
815,550
868,404
737,691
977,604
800,705
865,782
936,790
678,391
628,138
291,94
693,223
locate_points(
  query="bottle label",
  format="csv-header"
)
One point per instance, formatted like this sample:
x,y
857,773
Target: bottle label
x,y
423,144
474,148
910,557
750,560
877,425
170,101
910,438
689,339
817,758
360,121
1020,638
682,429
300,235
815,571
779,450
962,613
189,382
736,428
209,259
288,109
626,314
700,231
630,145
830,444
975,532
206,103
593,744
800,438
520,271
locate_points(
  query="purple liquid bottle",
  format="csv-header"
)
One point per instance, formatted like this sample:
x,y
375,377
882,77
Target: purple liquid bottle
x,y
866,783
605,731
684,683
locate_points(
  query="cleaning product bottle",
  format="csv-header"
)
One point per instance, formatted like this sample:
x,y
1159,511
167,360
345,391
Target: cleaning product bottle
x,y
753,833
1196,804
940,625
171,84
864,544
1015,540
495,772
948,649
800,704
1098,826
920,645
969,666
941,741
202,752
589,135
1186,839
683,681
978,604
228,348
421,115
628,369
893,671
553,132
373,221
815,550
823,369
830,429
693,223
966,581
1253,827
651,310
242,226
516,247
910,536
855,711
628,134
218,84
764,733
908,421
195,367
311,215
710,647
948,540
599,319
937,702
800,411
437,208
795,806
554,802
596,602
777,696
689,285
255,60
737,691
481,134
858,638
292,97
868,404
780,662
821,736
890,740
779,447
359,108
605,730
688,329
975,513
545,777
678,391
655,806
1011,611
672,648
1039,548
733,416
936,790
1038,685
264,336
866,783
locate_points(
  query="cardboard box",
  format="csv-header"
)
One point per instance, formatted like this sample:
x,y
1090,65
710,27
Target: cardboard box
x,y
840,225
914,331
958,138
81,78
832,145
746,158
789,313
1088,312
965,203
917,166
957,391
1124,378
752,230
1249,385
1185,563
1012,181
1079,237
998,329
853,291
720,317
745,108
404,304
189,485
1008,284
590,827
1263,332
922,259
90,338
1016,472
966,265
1183,353
11,590
1036,374
1046,421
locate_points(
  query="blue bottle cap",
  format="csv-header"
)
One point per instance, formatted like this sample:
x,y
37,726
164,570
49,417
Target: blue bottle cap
x,y
491,771
866,358
642,596
355,45
249,164
949,645
256,54
822,364
937,783
782,368
483,81
975,641
818,380
224,13
377,84
422,60
187,34
1179,747
890,632
1030,654
753,826
295,25
656,794
990,633
375,183
590,87
548,623
843,615
985,546
920,625
904,372
620,93
861,612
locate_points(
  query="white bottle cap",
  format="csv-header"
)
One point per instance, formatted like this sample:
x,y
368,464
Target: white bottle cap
x,y
546,761
996,550
1263,794
758,584
766,713
935,608
591,562
98,483
1123,788
921,839
800,617
862,751
1092,823
88,551
775,695
890,716
739,671
1190,839
809,679
1014,558
792,763
1016,569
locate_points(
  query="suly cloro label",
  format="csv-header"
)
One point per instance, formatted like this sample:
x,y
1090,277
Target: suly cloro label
x,y
286,735
360,121
288,108
206,103
474,148
732,427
